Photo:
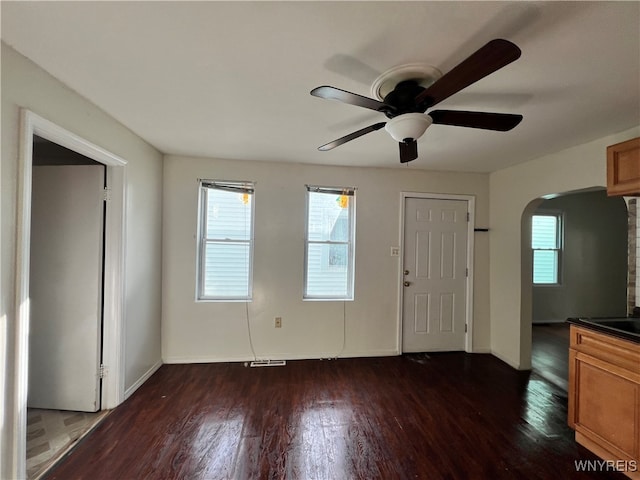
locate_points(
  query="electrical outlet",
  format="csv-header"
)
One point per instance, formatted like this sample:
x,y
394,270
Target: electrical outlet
x,y
278,323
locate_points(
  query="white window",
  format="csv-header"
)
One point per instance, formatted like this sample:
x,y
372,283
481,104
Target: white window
x,y
225,237
546,242
329,252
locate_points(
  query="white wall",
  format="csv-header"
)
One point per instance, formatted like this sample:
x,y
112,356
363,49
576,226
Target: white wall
x,y
203,332
512,191
26,85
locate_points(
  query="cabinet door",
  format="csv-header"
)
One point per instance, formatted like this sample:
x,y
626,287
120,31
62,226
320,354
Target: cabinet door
x,y
623,168
605,406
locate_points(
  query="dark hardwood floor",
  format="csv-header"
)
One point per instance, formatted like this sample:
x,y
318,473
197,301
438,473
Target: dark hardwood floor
x,y
437,416
550,352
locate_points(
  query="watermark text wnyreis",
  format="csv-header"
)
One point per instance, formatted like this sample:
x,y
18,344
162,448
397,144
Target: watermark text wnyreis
x,y
606,465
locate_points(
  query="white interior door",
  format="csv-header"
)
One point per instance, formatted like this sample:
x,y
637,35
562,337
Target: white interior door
x,y
435,275
66,287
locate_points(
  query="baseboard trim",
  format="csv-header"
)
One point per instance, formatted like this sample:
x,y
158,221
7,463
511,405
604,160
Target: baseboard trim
x,y
481,350
503,359
173,360
278,356
129,391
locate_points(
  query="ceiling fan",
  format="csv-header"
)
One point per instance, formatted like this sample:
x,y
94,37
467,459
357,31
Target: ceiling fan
x,y
405,93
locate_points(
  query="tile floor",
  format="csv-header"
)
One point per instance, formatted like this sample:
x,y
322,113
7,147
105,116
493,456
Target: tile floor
x,y
52,433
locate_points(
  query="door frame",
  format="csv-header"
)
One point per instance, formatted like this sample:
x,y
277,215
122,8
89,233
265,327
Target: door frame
x,y
114,249
471,209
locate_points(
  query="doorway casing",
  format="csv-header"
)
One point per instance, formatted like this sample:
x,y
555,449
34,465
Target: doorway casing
x,y
471,202
113,347
526,269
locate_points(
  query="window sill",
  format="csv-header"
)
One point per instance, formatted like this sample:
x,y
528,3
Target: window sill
x,y
330,299
224,300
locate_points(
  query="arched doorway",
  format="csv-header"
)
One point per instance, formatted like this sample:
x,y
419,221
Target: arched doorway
x,y
582,274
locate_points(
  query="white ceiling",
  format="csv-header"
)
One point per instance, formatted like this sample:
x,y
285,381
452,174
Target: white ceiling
x,y
232,79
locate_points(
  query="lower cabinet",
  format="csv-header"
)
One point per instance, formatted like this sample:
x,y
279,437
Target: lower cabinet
x,y
604,397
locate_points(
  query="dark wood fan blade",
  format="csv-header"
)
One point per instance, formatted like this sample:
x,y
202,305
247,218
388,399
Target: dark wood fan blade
x,y
493,56
332,93
351,136
502,122
408,151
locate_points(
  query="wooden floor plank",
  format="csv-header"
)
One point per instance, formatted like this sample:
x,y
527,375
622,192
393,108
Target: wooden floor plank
x,y
550,352
436,416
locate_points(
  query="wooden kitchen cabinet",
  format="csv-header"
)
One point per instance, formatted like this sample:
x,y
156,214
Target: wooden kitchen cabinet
x,y
604,396
623,168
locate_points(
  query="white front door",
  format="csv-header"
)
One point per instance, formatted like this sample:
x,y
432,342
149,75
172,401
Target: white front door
x,y
65,287
435,274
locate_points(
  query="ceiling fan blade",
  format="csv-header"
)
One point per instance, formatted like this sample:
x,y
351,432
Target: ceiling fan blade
x,y
502,122
493,56
408,151
333,93
351,136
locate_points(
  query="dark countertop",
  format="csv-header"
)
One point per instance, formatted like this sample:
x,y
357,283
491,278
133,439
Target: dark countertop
x,y
627,328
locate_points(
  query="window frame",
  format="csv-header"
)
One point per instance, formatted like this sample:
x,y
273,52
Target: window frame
x,y
226,185
351,237
559,216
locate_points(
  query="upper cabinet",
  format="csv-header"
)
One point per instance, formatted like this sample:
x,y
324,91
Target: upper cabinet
x,y
623,168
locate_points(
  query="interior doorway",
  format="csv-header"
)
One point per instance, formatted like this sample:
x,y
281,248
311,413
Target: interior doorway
x,y
66,279
114,167
585,276
66,299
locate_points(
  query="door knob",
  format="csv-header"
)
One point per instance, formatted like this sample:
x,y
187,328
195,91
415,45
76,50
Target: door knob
x,y
406,284
406,272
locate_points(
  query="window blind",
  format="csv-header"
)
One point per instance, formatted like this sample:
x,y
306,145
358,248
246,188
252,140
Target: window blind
x,y
349,191
234,187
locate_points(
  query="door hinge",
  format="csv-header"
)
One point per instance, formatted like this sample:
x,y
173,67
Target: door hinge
x,y
468,216
465,328
106,194
102,372
466,272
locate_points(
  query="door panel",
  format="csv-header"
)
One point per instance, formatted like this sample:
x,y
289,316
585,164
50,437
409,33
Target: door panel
x,y
66,287
435,257
421,312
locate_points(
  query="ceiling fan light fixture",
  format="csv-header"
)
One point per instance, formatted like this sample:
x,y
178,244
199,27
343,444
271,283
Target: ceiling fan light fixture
x,y
408,126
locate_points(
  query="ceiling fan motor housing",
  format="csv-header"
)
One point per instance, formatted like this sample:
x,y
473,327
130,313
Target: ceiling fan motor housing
x,y
403,99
